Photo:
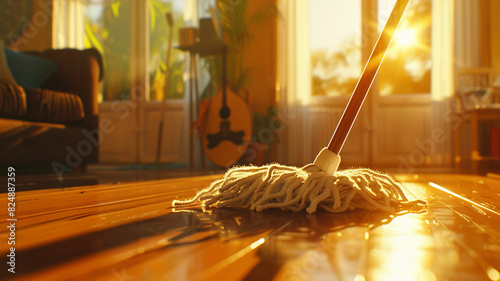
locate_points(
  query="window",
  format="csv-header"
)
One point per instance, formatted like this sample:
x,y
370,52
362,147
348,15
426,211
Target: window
x,y
337,46
159,47
111,27
409,52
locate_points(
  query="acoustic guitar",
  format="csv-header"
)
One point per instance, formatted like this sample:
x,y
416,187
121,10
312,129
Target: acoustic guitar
x,y
228,129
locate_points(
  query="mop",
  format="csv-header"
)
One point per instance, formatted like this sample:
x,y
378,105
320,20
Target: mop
x,y
317,185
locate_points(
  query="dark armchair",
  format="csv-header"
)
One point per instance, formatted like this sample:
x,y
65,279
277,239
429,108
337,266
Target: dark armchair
x,y
59,146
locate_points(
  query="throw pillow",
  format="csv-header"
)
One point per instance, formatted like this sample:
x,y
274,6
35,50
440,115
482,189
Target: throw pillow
x,y
29,71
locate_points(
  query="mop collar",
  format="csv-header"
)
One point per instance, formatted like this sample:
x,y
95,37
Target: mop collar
x,y
327,161
307,188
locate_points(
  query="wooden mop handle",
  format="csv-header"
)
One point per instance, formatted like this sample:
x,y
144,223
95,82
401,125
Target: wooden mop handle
x,y
367,77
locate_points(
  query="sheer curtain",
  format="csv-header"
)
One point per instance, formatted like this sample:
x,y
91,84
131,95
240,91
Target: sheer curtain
x,y
442,85
294,85
472,34
459,41
69,24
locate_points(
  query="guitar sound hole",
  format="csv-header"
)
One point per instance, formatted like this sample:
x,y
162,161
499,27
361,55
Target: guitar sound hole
x,y
224,112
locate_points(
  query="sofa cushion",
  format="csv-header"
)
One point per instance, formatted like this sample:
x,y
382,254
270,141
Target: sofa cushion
x,y
29,71
12,100
53,107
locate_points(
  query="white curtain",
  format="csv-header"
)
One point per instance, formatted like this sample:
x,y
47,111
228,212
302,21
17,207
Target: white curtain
x,y
458,41
294,85
470,36
442,86
68,24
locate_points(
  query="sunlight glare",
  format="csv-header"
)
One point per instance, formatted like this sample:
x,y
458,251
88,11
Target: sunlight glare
x,y
406,37
405,257
493,274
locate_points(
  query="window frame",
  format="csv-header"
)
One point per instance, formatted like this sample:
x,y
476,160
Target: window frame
x,y
370,13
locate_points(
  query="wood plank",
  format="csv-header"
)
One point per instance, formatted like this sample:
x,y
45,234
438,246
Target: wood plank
x,y
474,230
38,202
61,214
188,235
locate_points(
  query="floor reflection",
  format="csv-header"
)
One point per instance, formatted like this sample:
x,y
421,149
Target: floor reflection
x,y
233,223
342,238
284,236
402,251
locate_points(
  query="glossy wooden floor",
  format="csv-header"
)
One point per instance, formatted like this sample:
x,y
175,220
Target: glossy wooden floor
x,y
128,231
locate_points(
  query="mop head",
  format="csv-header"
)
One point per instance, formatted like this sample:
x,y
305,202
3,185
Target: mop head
x,y
307,188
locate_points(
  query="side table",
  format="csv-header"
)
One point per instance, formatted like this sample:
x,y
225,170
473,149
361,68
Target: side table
x,y
482,143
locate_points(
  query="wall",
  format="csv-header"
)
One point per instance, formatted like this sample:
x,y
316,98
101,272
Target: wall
x,y
495,36
38,33
260,56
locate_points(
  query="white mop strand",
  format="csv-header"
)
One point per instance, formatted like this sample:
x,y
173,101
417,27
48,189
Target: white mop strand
x,y
296,189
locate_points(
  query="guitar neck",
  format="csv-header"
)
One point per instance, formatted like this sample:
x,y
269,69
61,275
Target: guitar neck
x,y
224,80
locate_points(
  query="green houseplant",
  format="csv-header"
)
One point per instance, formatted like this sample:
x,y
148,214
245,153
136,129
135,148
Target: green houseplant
x,y
266,127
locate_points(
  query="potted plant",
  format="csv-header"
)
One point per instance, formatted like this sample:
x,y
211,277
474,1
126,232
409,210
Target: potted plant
x,y
266,127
